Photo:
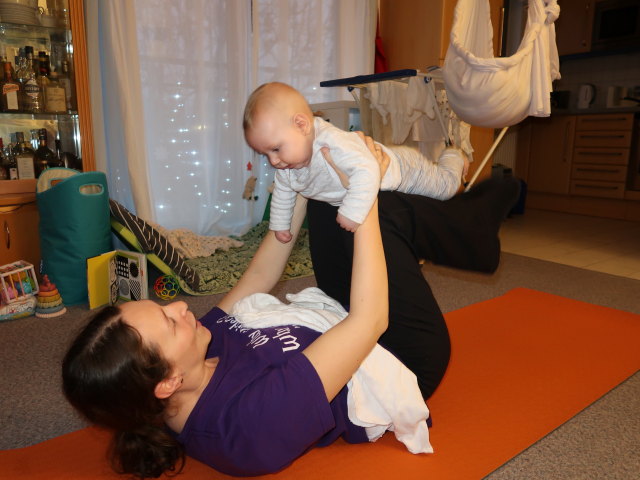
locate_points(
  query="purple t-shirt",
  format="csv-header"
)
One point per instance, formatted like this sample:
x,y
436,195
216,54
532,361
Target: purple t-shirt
x,y
265,404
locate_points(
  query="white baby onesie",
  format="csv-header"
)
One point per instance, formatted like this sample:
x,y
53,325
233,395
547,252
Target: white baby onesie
x,y
409,172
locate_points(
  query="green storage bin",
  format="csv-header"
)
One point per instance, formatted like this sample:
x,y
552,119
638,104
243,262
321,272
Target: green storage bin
x,y
74,225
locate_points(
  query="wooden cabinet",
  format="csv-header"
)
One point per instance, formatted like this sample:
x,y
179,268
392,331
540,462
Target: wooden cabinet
x,y
585,155
550,153
19,222
601,155
581,164
574,26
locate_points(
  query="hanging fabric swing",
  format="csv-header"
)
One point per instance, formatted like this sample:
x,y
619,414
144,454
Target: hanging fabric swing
x,y
488,91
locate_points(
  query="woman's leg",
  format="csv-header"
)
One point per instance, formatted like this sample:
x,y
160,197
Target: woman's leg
x,y
331,251
417,334
461,232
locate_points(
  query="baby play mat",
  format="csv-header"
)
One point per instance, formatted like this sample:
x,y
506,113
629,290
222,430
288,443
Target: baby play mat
x,y
522,364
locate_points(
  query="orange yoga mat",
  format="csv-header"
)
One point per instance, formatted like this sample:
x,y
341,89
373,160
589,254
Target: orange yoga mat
x,y
522,364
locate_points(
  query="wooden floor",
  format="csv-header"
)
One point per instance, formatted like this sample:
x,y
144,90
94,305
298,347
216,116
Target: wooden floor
x,y
600,244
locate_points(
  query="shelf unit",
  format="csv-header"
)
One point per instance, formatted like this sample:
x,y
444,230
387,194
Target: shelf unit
x,y
18,211
74,127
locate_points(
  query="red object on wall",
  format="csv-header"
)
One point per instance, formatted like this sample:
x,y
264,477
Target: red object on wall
x,y
380,64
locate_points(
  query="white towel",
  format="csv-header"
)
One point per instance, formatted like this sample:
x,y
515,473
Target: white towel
x,y
383,393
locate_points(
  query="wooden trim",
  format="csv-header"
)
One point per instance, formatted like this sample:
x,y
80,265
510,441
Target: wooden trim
x,y
81,71
17,186
12,199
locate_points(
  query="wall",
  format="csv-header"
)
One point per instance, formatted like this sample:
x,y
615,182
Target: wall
x,y
602,71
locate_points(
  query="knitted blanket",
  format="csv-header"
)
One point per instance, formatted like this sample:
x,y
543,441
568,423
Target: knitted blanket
x,y
222,270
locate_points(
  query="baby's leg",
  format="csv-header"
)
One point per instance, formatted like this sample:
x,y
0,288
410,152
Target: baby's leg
x,y
420,176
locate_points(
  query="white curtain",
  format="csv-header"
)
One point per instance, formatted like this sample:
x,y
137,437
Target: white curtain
x,y
169,88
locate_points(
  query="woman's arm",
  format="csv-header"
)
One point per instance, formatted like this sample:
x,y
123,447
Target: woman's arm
x,y
337,353
268,263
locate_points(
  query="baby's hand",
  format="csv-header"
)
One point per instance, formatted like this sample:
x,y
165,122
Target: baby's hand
x,y
283,236
346,223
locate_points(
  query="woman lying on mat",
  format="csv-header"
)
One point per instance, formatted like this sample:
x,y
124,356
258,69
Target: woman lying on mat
x,y
249,401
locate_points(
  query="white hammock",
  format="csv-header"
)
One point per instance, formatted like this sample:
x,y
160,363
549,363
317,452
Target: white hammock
x,y
492,92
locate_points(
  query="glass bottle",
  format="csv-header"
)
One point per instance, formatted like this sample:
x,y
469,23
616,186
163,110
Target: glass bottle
x,y
67,159
43,62
31,93
64,77
44,157
10,91
24,156
4,163
11,162
43,83
55,98
21,75
3,60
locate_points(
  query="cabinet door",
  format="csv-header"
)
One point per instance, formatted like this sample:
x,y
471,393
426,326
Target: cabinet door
x,y
574,26
19,237
550,154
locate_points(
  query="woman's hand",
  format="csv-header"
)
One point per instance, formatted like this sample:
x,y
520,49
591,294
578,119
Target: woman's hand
x,y
379,154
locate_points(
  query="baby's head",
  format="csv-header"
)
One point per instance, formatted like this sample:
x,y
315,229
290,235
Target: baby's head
x,y
278,123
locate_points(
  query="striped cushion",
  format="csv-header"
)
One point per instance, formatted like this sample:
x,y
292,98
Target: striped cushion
x,y
153,242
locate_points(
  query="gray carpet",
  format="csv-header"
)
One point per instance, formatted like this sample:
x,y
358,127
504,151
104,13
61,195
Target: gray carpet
x,y
599,443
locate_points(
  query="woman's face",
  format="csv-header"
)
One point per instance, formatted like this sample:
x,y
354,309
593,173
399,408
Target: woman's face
x,y
181,339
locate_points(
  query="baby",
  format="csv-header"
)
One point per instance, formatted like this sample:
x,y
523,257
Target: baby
x,y
279,123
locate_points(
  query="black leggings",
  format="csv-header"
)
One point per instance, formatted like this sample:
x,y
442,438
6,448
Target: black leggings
x,y
461,233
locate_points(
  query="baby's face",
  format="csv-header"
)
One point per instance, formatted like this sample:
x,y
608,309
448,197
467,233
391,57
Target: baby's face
x,y
281,141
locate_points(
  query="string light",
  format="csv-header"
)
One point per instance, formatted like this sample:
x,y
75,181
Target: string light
x,y
191,163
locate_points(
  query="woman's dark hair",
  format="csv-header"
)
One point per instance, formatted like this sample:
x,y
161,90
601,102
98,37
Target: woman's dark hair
x,y
109,375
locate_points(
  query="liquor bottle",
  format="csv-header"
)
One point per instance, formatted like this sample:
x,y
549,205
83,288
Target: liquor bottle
x,y
64,77
44,157
31,93
55,98
24,156
4,163
43,83
10,91
43,61
12,166
3,60
67,159
20,76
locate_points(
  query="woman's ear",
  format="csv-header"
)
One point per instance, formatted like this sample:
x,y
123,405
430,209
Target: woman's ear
x,y
302,123
168,386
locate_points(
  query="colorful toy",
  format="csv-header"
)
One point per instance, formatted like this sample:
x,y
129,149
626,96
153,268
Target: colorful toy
x,y
49,302
18,285
166,287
